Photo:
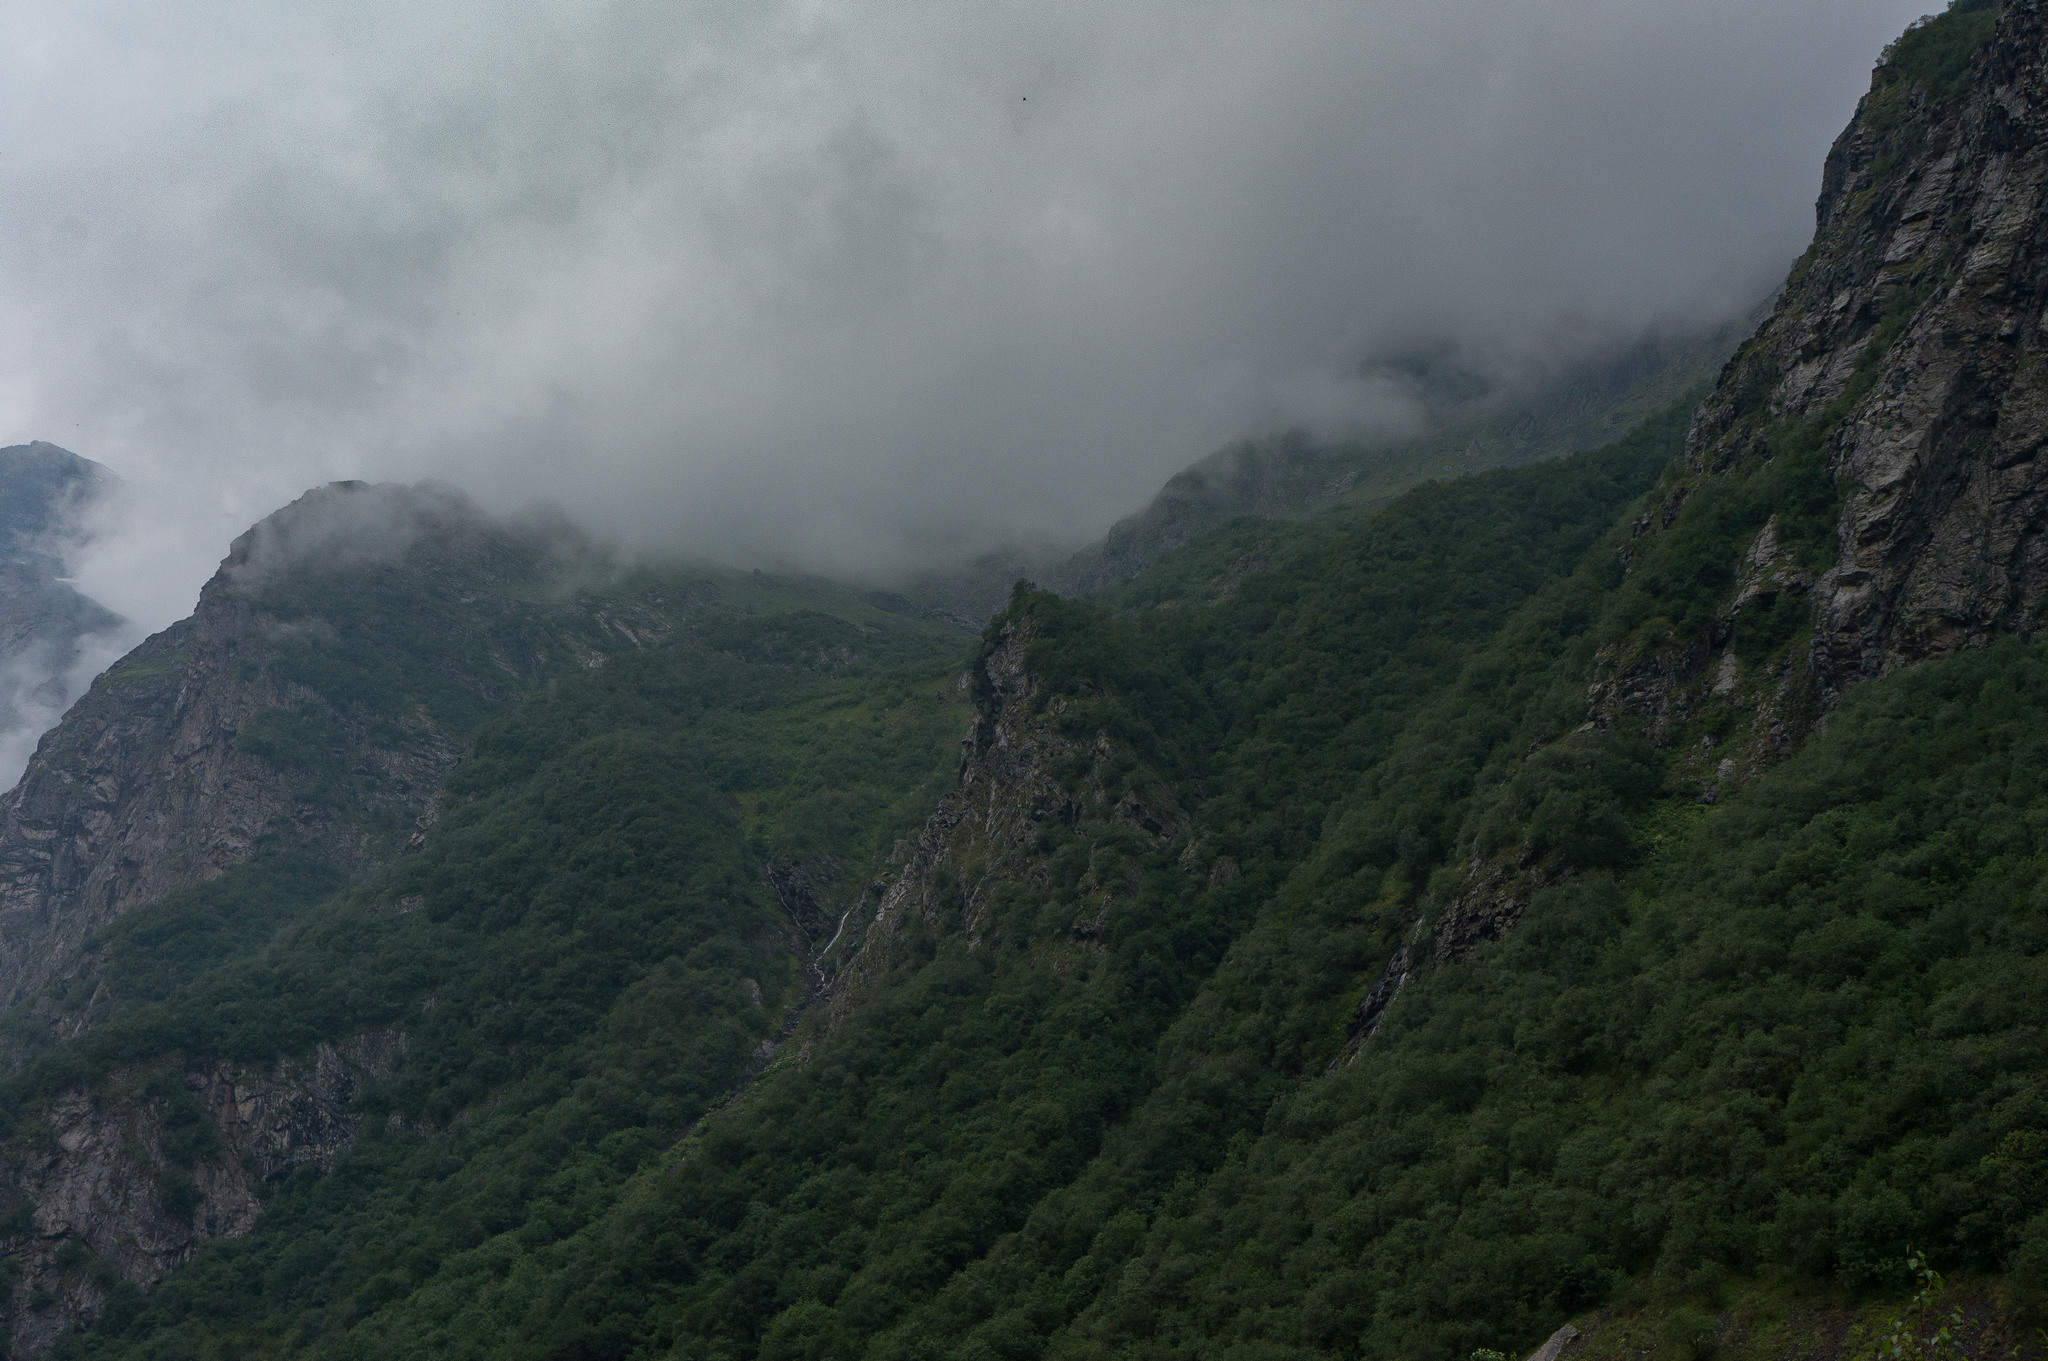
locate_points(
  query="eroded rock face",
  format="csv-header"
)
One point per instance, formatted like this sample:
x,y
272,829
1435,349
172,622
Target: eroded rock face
x,y
150,783
104,1196
143,790
983,833
1941,540
1910,341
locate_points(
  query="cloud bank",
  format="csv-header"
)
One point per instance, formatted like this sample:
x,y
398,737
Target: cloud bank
x,y
847,287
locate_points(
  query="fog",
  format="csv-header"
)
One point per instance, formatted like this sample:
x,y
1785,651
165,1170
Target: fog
x,y
845,288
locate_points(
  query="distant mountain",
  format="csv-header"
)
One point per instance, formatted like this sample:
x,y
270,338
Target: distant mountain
x,y
1473,423
1472,428
45,624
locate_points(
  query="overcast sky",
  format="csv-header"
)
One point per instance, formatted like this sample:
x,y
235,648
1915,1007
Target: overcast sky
x,y
846,286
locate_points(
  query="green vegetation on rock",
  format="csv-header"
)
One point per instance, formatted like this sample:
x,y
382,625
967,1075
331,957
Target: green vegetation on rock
x,y
1129,1108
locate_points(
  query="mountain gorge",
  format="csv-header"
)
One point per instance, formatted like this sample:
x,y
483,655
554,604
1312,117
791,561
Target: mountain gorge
x,y
1603,899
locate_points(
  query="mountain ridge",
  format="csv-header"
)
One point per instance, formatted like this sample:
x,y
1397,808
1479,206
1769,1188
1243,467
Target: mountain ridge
x,y
1377,934
1472,422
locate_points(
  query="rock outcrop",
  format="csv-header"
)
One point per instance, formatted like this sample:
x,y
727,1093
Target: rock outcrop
x,y
318,696
1905,356
126,1181
1017,775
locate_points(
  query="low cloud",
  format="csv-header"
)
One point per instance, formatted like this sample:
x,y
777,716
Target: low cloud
x,y
851,288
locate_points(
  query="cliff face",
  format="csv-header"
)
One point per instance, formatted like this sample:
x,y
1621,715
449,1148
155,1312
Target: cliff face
x,y
127,1182
316,701
1018,774
317,698
1905,359
1940,540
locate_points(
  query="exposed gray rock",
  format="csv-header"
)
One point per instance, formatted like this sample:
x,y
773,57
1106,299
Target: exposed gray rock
x,y
1495,894
108,1202
982,834
147,785
1371,1011
1910,339
1555,1347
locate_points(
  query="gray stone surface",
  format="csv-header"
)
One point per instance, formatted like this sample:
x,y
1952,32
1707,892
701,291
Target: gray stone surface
x,y
1913,334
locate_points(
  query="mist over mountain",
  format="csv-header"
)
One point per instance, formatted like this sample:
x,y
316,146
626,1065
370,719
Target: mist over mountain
x,y
855,290
1536,845
53,639
1461,417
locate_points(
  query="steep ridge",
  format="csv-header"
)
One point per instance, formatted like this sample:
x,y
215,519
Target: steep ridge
x,y
1020,775
1002,1020
1095,1089
1470,428
311,706
1863,489
598,886
1469,424
1177,1029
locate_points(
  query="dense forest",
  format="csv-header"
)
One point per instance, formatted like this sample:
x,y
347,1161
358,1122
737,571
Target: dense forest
x,y
1791,1035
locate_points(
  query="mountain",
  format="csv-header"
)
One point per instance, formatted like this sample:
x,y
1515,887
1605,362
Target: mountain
x,y
1472,426
290,738
46,626
1869,463
1471,422
1502,918
290,716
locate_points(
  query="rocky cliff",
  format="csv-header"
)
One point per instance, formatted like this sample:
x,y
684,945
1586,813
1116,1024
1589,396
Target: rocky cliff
x,y
314,702
1865,487
316,699
1020,772
121,1184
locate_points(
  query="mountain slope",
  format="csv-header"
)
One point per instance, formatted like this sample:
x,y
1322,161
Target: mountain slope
x,y
1098,913
312,705
1470,423
1863,489
1471,429
1389,934
622,903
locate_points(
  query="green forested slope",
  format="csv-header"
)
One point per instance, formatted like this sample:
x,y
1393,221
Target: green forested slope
x,y
1789,1038
583,956
1005,1070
